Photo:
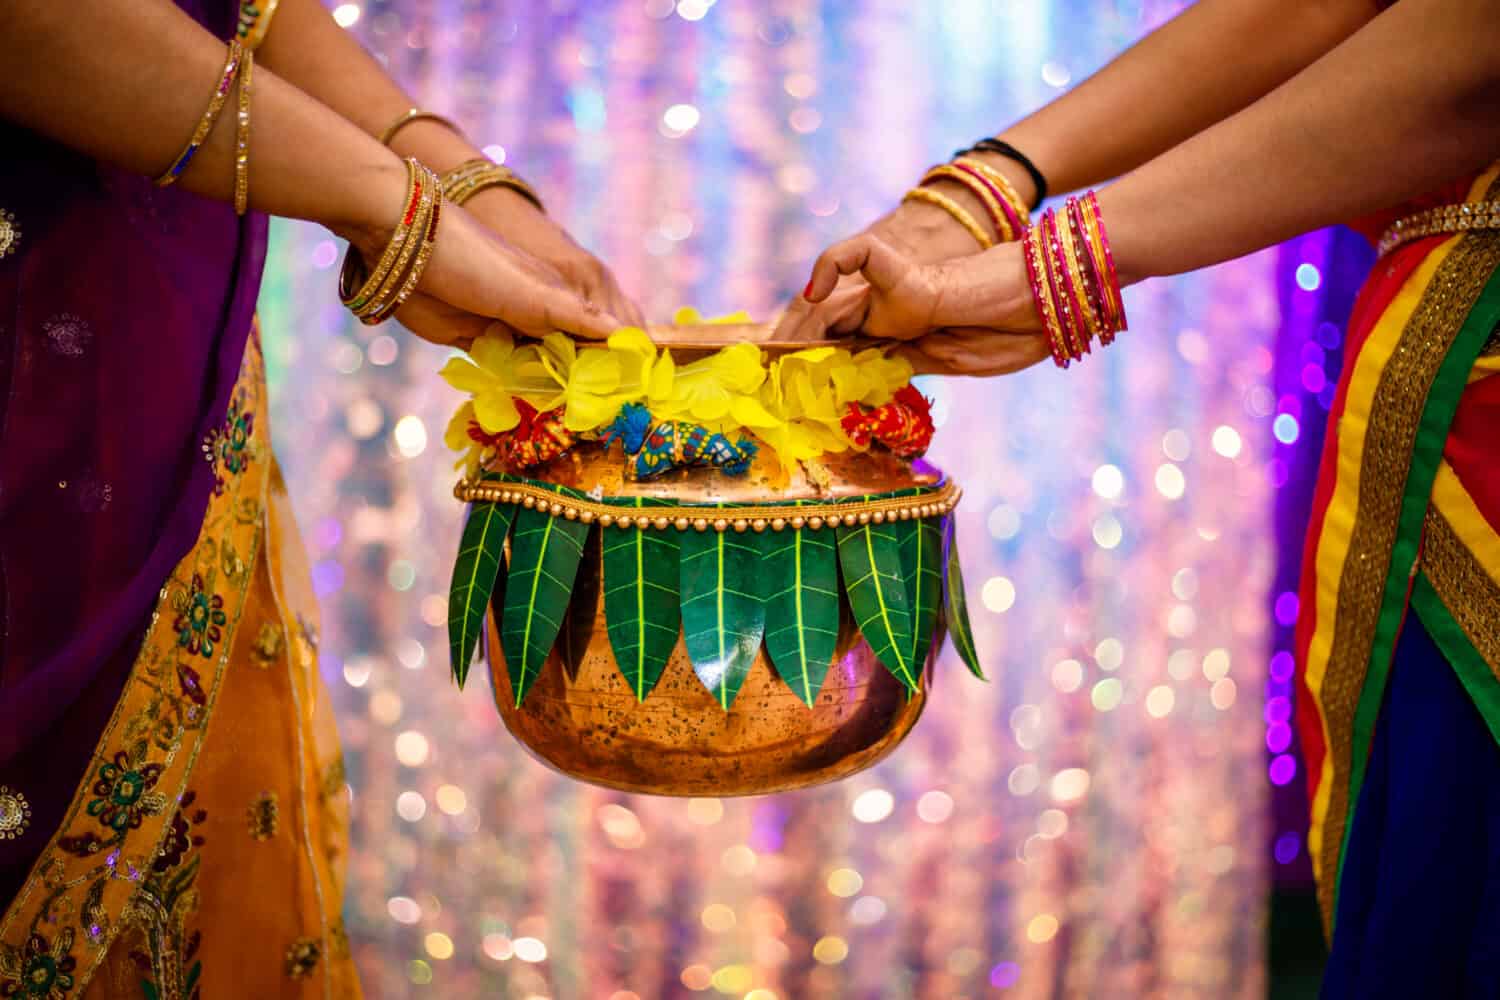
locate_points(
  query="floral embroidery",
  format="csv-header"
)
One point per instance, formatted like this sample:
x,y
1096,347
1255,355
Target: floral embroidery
x,y
267,645
10,233
302,957
338,940
265,816
169,964
201,619
125,795
15,814
40,970
229,447
67,334
334,777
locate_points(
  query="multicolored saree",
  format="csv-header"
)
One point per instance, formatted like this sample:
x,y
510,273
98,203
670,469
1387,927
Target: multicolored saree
x,y
172,802
1406,519
202,852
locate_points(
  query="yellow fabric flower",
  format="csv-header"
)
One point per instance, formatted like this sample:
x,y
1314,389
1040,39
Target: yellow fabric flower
x,y
645,373
688,316
590,380
718,388
456,437
494,373
869,377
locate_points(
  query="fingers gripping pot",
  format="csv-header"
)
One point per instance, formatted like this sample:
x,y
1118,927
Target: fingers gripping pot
x,y
732,626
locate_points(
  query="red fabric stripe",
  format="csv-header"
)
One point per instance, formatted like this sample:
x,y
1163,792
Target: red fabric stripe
x,y
1374,298
1473,446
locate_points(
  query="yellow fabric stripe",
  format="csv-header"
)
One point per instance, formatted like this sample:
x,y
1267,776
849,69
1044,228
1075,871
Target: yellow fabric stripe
x,y
1484,368
1468,523
1343,505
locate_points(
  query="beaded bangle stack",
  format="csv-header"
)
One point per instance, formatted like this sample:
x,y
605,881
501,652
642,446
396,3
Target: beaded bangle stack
x,y
1073,279
375,295
473,176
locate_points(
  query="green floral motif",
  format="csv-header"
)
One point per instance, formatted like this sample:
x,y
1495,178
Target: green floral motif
x,y
124,794
41,970
200,621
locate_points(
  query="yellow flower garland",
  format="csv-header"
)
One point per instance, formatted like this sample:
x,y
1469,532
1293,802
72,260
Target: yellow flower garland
x,y
794,404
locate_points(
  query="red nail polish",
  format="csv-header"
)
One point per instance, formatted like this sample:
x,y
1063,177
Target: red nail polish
x,y
808,290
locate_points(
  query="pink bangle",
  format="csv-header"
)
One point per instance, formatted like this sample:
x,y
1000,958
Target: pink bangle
x,y
1075,294
1113,287
1011,218
1093,287
1030,250
1057,273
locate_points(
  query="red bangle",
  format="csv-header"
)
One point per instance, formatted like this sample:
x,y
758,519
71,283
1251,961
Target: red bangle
x,y
1030,250
1113,287
1057,273
1093,287
1017,227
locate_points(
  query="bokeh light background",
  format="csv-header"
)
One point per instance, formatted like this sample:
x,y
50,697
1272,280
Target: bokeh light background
x,y
1092,823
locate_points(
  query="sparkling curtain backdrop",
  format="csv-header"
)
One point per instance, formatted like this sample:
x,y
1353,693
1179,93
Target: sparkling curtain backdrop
x,y
1091,823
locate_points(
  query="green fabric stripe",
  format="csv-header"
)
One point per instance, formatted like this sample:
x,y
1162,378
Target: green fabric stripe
x,y
1427,455
1472,669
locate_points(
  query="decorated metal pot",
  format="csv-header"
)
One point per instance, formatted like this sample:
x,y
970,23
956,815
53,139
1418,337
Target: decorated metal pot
x,y
698,595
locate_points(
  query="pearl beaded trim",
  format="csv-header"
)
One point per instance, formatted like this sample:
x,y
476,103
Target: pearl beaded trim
x,y
755,517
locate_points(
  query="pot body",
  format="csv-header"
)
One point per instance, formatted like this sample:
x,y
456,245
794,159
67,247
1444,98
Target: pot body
x,y
581,717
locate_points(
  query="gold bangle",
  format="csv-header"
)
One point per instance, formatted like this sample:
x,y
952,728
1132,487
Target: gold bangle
x,y
242,138
977,188
410,115
210,115
1007,189
425,243
255,21
357,285
1093,328
473,176
418,231
953,208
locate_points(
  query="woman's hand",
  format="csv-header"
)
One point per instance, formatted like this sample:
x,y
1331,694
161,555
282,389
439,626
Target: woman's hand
x,y
522,225
475,277
968,316
920,231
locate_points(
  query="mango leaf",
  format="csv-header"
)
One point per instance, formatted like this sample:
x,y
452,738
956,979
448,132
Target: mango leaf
x,y
955,603
641,600
921,543
802,613
544,556
870,556
723,614
474,574
583,609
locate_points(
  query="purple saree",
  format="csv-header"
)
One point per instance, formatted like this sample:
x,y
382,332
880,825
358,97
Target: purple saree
x,y
124,315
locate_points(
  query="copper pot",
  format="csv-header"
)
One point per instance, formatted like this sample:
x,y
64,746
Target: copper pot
x,y
581,717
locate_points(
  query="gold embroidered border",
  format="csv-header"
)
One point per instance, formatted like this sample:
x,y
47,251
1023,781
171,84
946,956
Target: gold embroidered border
x,y
1469,593
63,920
1395,415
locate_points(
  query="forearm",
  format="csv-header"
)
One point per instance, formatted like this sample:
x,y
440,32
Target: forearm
x,y
135,102
307,47
1214,59
1409,102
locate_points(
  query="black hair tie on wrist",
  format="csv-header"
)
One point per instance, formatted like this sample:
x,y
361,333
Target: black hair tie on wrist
x,y
1010,152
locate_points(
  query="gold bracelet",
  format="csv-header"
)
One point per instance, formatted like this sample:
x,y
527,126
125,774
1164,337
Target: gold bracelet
x,y
210,115
1080,289
255,21
425,244
419,231
473,176
1007,189
357,285
414,114
242,138
953,208
980,191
